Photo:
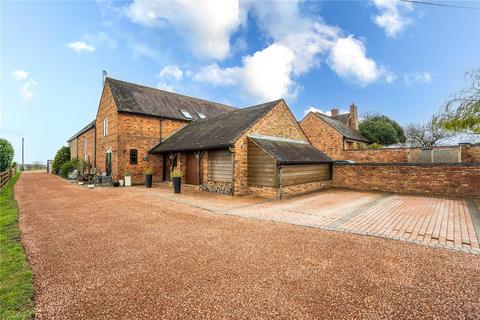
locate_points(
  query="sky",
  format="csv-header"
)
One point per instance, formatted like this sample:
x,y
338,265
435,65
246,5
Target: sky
x,y
397,58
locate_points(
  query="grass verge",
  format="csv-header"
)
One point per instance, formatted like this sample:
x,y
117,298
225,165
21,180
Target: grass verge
x,y
16,279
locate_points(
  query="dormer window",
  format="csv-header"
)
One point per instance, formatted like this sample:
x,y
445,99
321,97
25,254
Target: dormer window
x,y
186,114
201,115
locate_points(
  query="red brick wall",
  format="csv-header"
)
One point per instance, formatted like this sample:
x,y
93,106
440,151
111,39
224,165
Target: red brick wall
x,y
433,179
108,110
142,133
78,152
322,136
377,155
400,155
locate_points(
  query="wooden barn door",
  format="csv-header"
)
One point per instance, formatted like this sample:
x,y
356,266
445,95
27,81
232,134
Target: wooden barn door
x,y
191,176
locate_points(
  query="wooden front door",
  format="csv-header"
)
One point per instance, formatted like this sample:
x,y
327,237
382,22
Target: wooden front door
x,y
192,170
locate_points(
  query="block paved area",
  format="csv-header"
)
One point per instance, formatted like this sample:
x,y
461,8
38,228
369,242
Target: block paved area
x,y
136,253
452,223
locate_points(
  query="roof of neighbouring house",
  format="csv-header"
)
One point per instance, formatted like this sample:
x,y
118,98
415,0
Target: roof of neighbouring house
x,y
343,118
214,133
342,128
288,151
138,99
85,129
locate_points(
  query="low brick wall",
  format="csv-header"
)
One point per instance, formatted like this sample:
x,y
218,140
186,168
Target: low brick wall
x,y
298,189
288,191
454,179
469,153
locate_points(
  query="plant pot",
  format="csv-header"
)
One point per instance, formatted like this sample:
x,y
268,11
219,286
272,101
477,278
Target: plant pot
x,y
128,181
148,180
177,184
121,183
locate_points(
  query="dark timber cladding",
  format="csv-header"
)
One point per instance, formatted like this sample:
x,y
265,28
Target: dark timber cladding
x,y
298,161
262,167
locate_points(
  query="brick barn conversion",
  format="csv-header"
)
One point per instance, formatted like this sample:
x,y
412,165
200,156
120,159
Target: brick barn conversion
x,y
260,149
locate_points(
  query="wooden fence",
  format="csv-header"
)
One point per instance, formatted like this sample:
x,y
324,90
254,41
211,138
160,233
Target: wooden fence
x,y
6,175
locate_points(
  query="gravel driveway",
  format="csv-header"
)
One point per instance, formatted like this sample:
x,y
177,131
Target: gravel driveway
x,y
111,253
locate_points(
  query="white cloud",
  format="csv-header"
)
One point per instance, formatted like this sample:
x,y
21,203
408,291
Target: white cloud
x,y
20,74
417,77
265,75
328,113
298,45
81,46
348,59
392,16
313,109
164,86
208,31
215,75
171,71
27,89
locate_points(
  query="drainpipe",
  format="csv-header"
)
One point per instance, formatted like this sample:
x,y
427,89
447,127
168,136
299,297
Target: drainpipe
x,y
232,186
280,181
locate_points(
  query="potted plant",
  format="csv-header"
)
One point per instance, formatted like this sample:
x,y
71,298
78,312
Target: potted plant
x,y
148,177
176,175
128,179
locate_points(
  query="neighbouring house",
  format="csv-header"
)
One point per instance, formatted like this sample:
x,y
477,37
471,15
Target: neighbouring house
x,y
335,133
260,149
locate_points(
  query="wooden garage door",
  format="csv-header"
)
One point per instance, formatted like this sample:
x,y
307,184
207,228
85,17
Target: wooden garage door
x,y
219,166
298,174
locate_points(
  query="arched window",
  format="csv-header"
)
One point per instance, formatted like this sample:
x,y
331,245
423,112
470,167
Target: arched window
x,y
133,156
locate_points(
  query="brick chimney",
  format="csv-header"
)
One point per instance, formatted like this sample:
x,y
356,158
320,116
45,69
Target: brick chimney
x,y
353,117
334,112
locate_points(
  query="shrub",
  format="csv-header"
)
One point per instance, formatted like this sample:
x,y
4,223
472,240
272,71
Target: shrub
x,y
375,146
67,167
62,156
6,154
176,173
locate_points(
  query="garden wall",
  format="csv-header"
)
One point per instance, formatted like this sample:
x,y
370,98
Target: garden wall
x,y
469,153
453,179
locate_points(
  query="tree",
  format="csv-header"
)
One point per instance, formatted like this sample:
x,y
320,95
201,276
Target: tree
x,y
426,135
381,129
62,156
6,154
461,112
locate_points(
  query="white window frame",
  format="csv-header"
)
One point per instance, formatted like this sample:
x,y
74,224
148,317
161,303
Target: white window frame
x,y
201,115
186,114
105,127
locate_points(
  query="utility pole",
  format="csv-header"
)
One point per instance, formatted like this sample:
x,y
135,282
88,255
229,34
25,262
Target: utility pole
x,y
23,163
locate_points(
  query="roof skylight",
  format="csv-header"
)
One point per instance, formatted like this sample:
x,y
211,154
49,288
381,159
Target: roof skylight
x,y
201,115
186,114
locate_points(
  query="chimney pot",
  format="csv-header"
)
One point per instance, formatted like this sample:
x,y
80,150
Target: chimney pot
x,y
334,112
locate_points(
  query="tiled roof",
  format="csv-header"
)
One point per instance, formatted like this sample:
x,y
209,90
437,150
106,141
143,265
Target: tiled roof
x,y
138,99
86,128
344,130
343,118
288,151
214,133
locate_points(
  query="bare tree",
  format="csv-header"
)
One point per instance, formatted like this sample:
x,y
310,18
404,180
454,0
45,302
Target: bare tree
x,y
426,135
461,111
